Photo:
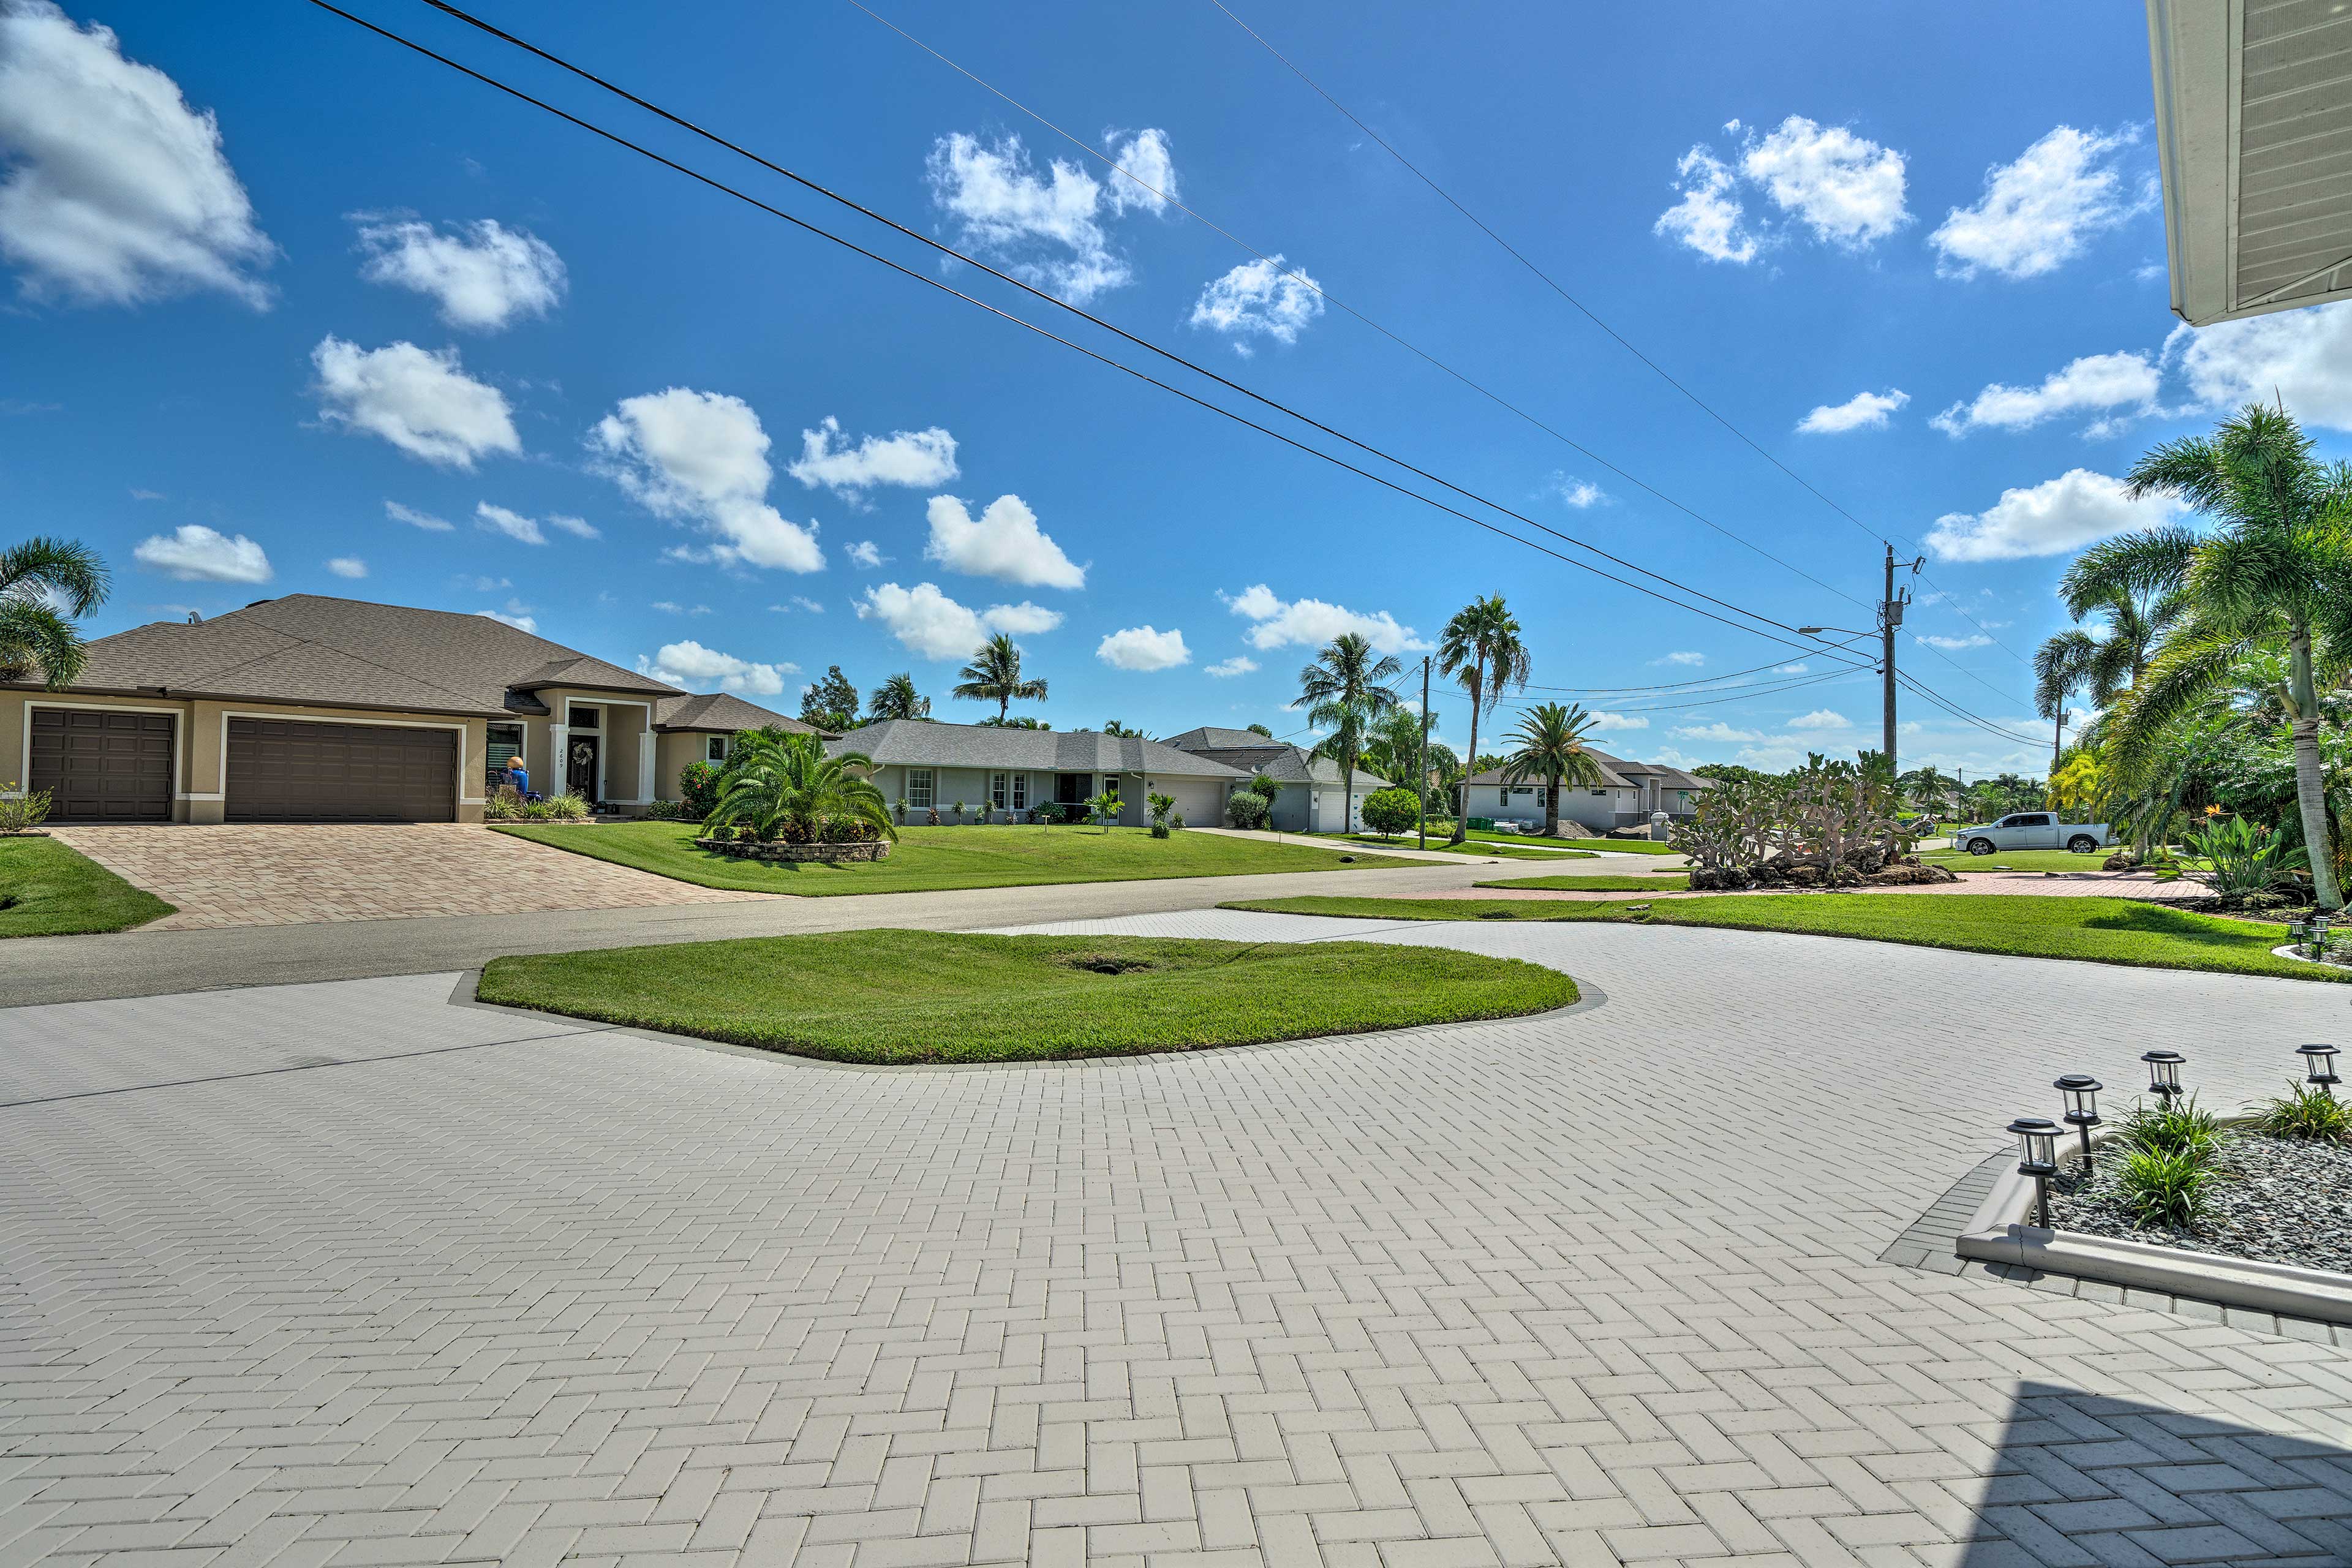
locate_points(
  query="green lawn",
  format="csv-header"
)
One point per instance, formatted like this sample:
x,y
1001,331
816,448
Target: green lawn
x,y
900,997
1656,882
1597,845
2016,860
1437,842
2099,930
48,890
935,858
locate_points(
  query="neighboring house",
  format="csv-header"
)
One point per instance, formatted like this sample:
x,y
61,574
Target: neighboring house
x,y
308,708
1628,793
1311,800
932,766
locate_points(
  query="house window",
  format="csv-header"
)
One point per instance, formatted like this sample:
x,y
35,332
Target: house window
x,y
1073,789
714,749
1600,792
920,793
581,718
1020,791
1009,792
500,741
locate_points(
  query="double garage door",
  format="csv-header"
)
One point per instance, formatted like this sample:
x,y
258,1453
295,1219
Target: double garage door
x,y
289,770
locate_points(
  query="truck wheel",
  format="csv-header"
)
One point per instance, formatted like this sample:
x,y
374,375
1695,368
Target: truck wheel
x,y
1980,847
2083,844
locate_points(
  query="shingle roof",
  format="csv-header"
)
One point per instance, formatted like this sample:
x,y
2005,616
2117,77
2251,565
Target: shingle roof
x,y
1619,773
720,711
1285,764
1210,737
1610,776
314,650
928,745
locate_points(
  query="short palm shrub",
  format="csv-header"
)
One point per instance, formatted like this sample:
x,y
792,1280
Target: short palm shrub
x,y
1247,809
1388,812
783,786
23,812
1162,805
665,811
537,811
899,809
959,814
567,808
987,811
2166,1188
2306,1111
2179,1129
1104,809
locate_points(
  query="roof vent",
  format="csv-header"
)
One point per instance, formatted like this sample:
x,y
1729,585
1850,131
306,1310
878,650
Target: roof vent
x,y
258,603
194,619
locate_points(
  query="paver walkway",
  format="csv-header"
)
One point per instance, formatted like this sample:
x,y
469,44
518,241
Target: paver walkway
x,y
281,874
1591,1288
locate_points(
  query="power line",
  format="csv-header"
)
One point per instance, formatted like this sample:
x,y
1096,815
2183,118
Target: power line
x,y
1104,360
1677,685
1956,712
1304,281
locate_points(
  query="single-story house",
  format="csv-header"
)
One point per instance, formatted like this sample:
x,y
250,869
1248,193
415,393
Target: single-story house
x,y
1628,793
310,708
1311,800
932,766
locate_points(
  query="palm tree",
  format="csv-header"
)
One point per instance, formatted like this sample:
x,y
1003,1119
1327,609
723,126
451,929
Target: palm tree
x,y
1551,746
2276,567
1395,751
1344,692
1928,788
1481,651
994,676
45,584
2061,669
776,780
898,698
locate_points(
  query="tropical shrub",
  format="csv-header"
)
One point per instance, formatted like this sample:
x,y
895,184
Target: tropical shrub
x,y
1103,808
2179,1128
959,814
780,782
1245,809
899,809
567,808
2306,1111
931,817
697,789
665,811
505,805
987,811
2165,1189
24,812
538,811
2239,862
1162,805
1827,823
1266,786
1388,812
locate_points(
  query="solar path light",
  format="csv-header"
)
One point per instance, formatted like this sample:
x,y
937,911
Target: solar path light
x,y
2319,1066
2163,1074
2037,1144
2081,1091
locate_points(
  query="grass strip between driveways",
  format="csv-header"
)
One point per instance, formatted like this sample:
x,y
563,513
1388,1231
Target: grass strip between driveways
x,y
50,889
1656,882
2016,860
2098,931
1438,843
1591,845
907,997
929,858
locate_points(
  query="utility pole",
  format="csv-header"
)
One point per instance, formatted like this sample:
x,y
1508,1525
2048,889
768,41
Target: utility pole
x,y
1890,617
1421,762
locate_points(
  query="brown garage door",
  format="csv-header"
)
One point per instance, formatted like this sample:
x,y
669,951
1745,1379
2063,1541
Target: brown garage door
x,y
287,769
98,766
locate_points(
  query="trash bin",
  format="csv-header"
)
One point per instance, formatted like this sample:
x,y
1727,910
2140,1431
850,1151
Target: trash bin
x,y
1658,826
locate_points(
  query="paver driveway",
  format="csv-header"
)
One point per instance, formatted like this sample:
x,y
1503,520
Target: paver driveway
x,y
1591,1288
289,874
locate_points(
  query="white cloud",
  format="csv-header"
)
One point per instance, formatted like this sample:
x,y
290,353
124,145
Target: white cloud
x,y
1846,188
423,403
2302,357
2048,518
484,276
348,566
1144,648
692,665
2094,382
1863,411
578,527
117,191
1954,645
1820,718
919,458
1002,542
864,554
1607,721
514,525
1797,669
798,602
415,519
1046,229
702,458
1148,172
2037,213
194,553
1311,623
483,584
138,494
1686,657
1259,298
934,625
1709,218
1239,664
1718,731
521,623
1570,490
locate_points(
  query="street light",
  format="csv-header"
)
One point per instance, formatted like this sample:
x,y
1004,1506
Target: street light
x,y
2319,1063
2037,1143
2163,1074
2081,1091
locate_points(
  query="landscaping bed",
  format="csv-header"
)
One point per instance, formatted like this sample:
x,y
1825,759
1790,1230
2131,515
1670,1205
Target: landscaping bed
x,y
906,996
776,849
50,889
2280,1200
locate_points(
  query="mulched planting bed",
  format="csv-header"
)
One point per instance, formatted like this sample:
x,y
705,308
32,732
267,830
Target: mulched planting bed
x,y
2276,1200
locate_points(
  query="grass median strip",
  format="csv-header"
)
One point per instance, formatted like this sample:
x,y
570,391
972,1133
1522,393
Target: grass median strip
x,y
50,889
2130,932
930,858
1656,882
907,997
1497,850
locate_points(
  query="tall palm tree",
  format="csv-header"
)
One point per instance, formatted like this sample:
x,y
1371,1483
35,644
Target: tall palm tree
x,y
2061,669
2276,567
898,698
994,676
776,780
1927,787
1394,750
1345,690
1482,653
1549,746
45,584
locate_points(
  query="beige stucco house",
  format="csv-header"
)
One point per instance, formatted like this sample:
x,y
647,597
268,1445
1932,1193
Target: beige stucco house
x,y
308,708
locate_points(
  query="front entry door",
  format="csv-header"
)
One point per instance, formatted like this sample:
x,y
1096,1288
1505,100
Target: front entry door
x,y
579,766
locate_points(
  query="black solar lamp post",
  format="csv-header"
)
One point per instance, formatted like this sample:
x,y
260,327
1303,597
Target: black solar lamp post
x,y
2081,1092
2319,1066
2037,1143
2164,1074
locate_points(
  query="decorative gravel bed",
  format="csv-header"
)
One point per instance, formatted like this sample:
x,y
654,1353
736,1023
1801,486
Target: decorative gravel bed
x,y
2278,1200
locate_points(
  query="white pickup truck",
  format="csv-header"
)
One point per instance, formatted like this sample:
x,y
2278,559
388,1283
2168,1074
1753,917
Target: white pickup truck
x,y
2034,830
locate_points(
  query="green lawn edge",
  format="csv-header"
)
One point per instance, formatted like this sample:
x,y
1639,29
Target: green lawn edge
x,y
1655,882
2130,932
887,997
1437,845
938,859
53,889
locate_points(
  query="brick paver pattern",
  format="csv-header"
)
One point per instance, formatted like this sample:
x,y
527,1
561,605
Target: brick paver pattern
x,y
283,874
1595,1288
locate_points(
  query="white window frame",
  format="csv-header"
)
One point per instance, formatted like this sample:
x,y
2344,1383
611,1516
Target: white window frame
x,y
1020,791
1000,790
923,795
714,748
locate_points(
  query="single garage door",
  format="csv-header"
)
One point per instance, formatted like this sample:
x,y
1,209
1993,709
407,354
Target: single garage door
x,y
287,769
98,766
1200,802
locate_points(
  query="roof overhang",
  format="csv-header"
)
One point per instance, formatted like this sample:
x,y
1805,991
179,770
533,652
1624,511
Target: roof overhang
x,y
2253,130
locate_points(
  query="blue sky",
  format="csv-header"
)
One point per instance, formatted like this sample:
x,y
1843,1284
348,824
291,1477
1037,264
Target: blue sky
x,y
1916,257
